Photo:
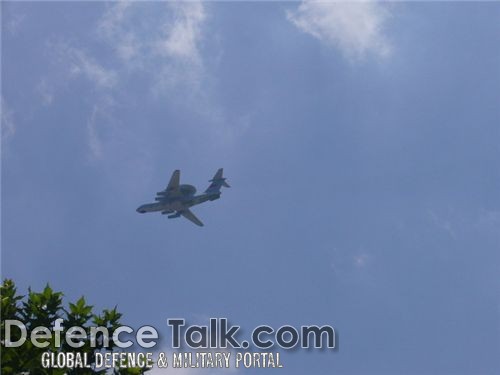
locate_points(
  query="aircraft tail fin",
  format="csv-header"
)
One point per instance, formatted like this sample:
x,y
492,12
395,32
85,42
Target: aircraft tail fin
x,y
217,182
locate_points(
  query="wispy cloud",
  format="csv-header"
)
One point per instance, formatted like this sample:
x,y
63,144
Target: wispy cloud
x,y
442,223
168,46
8,126
100,121
123,40
83,64
158,49
354,266
457,222
361,260
168,51
490,219
95,144
182,37
77,62
45,91
14,22
356,28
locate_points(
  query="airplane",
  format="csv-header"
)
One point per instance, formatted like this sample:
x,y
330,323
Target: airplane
x,y
176,199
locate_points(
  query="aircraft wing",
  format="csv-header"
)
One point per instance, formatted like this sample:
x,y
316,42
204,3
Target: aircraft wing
x,y
190,216
173,184
172,188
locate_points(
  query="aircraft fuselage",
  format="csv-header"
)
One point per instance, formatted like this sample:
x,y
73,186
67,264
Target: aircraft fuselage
x,y
184,199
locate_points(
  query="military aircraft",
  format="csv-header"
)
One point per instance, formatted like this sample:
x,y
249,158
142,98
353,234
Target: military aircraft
x,y
176,199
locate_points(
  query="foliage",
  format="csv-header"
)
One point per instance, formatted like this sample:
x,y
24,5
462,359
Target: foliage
x,y
42,309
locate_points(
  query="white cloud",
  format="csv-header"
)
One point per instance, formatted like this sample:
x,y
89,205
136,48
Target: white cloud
x,y
458,222
361,260
354,266
77,62
8,126
99,120
443,223
45,91
159,47
70,63
182,37
13,23
83,64
163,42
113,29
490,219
356,28
168,45
94,142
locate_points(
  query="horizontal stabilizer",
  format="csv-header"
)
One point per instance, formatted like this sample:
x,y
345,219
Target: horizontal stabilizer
x,y
217,182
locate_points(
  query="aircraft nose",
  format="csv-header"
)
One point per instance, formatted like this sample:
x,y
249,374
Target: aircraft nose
x,y
140,210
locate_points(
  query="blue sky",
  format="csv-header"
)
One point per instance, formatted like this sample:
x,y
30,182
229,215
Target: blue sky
x,y
361,142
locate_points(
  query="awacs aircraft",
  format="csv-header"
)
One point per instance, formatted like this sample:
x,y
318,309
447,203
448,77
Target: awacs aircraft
x,y
176,199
